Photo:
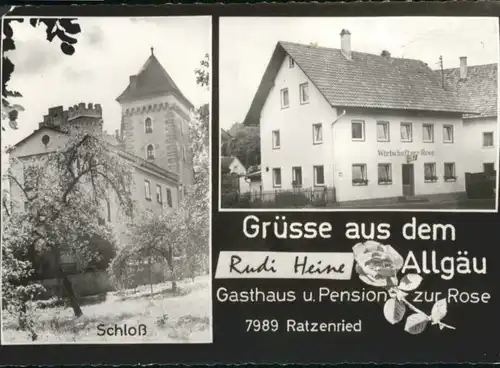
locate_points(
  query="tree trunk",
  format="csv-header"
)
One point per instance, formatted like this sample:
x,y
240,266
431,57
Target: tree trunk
x,y
68,287
150,276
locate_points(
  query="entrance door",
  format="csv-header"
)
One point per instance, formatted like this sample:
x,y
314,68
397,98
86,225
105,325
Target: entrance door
x,y
408,180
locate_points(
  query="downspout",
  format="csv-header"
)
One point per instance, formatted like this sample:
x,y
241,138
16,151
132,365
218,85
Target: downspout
x,y
332,156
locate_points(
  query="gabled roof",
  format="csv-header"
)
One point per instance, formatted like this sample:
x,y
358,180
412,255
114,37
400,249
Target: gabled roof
x,y
367,81
152,80
33,133
479,91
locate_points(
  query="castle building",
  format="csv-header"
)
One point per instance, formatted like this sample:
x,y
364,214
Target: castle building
x,y
154,140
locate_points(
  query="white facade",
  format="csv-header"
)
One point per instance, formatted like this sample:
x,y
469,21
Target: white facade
x,y
294,124
236,167
337,150
481,144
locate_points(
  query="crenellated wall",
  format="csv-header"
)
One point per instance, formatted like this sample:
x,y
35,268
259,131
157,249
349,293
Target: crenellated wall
x,y
82,115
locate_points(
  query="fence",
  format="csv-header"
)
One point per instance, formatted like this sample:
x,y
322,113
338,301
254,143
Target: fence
x,y
293,198
480,185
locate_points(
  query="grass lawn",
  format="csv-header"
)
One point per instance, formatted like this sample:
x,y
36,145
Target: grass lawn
x,y
183,317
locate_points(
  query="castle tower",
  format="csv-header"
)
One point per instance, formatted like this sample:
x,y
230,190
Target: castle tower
x,y
155,120
81,117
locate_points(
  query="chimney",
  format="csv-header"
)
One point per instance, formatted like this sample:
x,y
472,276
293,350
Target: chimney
x,y
463,67
117,134
133,81
345,43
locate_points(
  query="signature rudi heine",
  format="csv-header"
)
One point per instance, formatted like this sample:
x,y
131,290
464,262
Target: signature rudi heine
x,y
301,266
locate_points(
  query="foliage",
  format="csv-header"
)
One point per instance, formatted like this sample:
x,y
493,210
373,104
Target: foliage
x,y
245,144
64,29
153,239
203,73
63,194
17,292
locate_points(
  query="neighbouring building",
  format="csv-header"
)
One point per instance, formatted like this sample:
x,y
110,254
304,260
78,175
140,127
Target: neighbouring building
x,y
254,180
370,126
235,173
477,87
153,140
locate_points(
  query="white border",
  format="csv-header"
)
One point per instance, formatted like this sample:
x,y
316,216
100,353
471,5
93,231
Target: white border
x,y
377,209
210,301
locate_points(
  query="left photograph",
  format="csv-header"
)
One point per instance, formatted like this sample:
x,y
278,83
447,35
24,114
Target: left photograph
x,y
106,180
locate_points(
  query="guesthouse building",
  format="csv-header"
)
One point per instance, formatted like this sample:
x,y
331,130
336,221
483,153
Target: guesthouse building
x,y
477,88
367,126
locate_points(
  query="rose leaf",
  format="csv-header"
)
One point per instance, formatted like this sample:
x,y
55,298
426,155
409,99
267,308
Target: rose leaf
x,y
439,310
416,323
394,311
410,282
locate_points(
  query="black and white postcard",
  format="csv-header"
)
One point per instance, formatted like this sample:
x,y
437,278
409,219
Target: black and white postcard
x,y
221,184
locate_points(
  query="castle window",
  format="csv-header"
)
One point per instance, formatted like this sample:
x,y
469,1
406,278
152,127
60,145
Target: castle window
x,y
169,197
159,198
150,152
148,126
147,189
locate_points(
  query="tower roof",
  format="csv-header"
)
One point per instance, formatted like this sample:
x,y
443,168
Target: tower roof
x,y
151,80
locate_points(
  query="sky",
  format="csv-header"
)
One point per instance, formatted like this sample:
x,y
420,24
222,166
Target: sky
x,y
246,46
108,51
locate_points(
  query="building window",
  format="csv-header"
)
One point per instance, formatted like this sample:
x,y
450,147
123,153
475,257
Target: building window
x,y
148,126
489,168
169,197
317,133
428,133
319,175
284,98
384,174
448,133
297,177
159,198
276,139
291,62
276,177
359,174
108,206
358,130
406,132
147,190
304,93
449,172
150,152
26,206
383,131
488,139
430,173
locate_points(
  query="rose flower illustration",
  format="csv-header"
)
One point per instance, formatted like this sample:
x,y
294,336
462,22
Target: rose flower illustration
x,y
378,265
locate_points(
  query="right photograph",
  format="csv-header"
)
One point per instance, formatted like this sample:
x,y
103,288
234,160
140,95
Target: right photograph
x,y
376,113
